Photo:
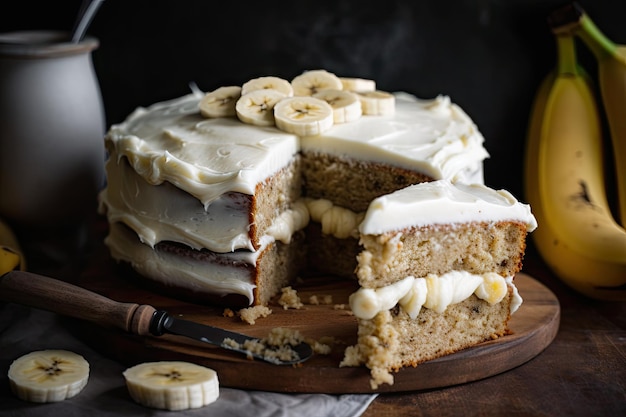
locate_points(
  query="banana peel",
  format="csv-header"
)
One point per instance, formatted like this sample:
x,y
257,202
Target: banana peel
x,y
11,255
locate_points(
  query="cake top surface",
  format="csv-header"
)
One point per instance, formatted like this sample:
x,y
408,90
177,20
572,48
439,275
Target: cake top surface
x,y
433,136
443,202
171,141
206,156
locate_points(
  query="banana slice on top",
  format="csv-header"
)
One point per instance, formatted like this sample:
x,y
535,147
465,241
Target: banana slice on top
x,y
346,105
220,102
377,103
48,375
358,84
256,107
268,83
310,82
172,385
303,116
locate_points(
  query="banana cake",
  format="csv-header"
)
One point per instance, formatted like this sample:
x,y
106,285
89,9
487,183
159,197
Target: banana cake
x,y
436,273
210,194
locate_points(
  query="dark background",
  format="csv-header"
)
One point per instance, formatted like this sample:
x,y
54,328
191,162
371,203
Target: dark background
x,y
488,55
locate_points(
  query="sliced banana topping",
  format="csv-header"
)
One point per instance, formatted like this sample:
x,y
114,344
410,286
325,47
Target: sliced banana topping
x,y
346,105
268,83
310,82
256,107
357,84
48,375
172,385
220,102
303,116
377,103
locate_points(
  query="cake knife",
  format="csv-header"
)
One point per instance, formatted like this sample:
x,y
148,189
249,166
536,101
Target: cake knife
x,y
63,298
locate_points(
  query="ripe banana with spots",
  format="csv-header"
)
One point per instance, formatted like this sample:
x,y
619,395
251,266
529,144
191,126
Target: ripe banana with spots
x,y
611,59
564,183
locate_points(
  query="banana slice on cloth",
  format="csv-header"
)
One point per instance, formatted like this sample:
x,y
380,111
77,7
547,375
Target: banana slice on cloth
x,y
11,255
172,385
48,375
220,102
377,103
256,107
346,105
310,82
303,116
358,84
268,83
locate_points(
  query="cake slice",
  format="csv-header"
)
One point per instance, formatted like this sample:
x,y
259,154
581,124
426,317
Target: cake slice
x,y
436,273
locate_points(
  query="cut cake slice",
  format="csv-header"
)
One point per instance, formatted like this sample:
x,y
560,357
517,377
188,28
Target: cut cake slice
x,y
436,273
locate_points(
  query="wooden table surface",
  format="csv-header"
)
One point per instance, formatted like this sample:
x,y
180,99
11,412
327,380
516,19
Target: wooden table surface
x,y
581,373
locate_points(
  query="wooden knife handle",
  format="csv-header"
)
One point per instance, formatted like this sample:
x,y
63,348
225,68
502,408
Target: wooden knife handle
x,y
70,300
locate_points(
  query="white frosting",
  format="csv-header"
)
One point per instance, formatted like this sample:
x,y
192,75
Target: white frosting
x,y
442,202
432,292
172,142
431,136
188,273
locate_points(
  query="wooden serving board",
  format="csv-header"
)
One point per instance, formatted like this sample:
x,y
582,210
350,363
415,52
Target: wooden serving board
x,y
534,327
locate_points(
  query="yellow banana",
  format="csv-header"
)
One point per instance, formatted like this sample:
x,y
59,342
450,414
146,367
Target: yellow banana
x,y
612,80
564,184
11,256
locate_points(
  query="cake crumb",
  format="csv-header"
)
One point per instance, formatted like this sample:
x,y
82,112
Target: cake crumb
x,y
319,300
289,299
251,314
228,313
319,347
276,347
339,307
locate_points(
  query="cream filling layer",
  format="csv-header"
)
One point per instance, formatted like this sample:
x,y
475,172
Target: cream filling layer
x,y
432,292
335,220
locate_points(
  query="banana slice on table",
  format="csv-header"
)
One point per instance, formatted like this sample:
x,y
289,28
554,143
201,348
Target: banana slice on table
x,y
358,84
346,105
48,375
268,83
303,116
377,103
220,102
310,82
256,107
172,385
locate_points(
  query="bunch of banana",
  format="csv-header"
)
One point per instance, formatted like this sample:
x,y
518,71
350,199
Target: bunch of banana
x,y
565,184
612,79
11,256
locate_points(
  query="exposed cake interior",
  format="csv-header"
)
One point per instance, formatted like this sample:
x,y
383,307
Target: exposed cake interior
x,y
436,273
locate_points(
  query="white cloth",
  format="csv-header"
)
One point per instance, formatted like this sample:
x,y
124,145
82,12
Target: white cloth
x,y
23,330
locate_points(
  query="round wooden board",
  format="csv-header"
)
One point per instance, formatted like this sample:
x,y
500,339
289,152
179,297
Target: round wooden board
x,y
534,327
